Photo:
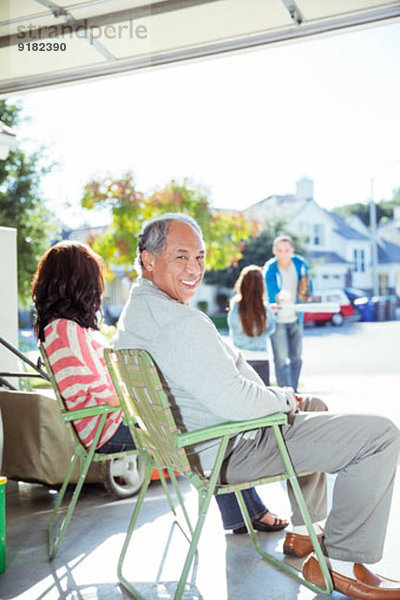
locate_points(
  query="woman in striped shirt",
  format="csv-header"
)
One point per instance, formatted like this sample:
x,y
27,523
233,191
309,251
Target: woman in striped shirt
x,y
67,290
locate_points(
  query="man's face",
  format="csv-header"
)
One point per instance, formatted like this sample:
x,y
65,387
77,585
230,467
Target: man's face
x,y
283,252
179,268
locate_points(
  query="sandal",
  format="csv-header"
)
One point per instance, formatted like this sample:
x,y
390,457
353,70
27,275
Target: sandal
x,y
277,525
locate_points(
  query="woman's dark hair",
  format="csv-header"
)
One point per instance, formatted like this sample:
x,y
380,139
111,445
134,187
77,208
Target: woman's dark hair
x,y
250,292
68,284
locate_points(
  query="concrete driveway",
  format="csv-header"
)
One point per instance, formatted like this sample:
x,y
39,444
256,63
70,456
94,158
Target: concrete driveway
x,y
354,368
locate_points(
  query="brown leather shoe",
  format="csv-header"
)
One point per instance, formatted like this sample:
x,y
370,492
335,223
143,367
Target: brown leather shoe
x,y
299,545
365,585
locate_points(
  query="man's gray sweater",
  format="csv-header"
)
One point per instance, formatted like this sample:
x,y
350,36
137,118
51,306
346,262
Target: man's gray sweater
x,y
209,382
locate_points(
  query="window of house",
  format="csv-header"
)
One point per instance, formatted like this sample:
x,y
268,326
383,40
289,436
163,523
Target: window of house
x,y
304,230
317,234
362,260
359,260
355,259
397,283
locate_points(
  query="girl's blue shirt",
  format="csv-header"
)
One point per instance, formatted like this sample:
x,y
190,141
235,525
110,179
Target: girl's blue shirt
x,y
243,341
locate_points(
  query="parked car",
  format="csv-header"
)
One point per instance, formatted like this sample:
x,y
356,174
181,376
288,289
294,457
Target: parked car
x,y
337,296
355,294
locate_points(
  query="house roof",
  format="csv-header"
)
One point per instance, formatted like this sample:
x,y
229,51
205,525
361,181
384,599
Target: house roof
x,y
102,36
345,230
284,206
326,257
390,231
388,252
287,206
356,223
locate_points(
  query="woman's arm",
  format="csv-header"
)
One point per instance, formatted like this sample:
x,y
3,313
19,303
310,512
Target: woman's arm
x,y
233,319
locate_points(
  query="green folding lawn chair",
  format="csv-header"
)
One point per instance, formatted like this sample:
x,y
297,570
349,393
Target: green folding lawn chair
x,y
128,464
144,401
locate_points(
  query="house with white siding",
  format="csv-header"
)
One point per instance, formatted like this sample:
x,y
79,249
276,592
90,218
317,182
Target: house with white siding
x,y
389,253
339,249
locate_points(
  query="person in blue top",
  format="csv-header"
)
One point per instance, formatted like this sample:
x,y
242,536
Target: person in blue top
x,y
287,282
251,320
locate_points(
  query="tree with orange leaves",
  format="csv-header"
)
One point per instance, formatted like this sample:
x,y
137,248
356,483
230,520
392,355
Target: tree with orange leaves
x,y
224,232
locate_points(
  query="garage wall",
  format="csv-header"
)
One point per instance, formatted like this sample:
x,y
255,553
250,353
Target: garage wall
x,y
8,297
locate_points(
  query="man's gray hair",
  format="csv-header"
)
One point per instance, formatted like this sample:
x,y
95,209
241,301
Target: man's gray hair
x,y
154,233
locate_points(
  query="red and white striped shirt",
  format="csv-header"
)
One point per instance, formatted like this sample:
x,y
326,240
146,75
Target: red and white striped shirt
x,y
76,356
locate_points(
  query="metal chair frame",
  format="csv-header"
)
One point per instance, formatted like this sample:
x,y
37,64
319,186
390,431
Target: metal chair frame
x,y
144,401
81,454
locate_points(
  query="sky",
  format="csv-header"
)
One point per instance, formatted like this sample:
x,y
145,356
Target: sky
x,y
244,126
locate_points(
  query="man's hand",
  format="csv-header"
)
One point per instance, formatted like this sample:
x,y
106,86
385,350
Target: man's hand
x,y
283,296
298,398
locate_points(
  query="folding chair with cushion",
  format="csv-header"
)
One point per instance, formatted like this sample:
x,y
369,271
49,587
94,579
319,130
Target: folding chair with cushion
x,y
144,401
126,465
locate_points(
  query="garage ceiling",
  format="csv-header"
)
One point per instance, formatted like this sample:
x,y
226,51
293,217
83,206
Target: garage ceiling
x,y
103,37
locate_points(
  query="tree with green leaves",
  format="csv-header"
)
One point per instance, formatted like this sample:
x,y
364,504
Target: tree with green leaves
x,y
21,205
384,209
223,232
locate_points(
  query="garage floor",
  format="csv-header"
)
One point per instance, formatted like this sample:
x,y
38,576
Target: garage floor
x,y
226,566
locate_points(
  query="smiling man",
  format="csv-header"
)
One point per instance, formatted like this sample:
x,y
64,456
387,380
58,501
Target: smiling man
x,y
179,269
209,382
182,340
157,318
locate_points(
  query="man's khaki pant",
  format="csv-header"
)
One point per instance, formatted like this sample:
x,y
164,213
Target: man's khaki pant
x,y
361,449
